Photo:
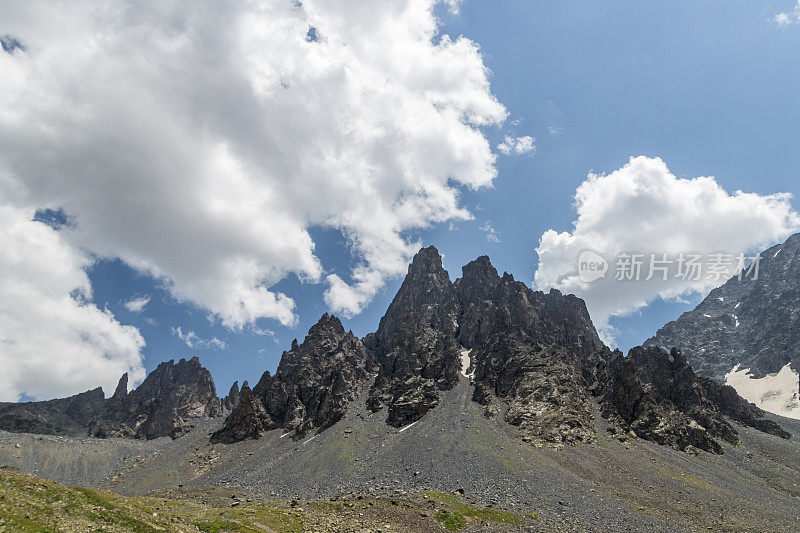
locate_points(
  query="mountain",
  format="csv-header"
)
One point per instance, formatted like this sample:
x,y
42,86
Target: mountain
x,y
747,332
476,404
534,360
165,404
416,343
310,390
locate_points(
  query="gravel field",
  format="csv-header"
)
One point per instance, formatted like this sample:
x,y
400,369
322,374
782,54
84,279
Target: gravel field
x,y
607,486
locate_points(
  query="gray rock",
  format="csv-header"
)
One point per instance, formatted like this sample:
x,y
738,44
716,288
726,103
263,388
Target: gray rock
x,y
751,322
310,390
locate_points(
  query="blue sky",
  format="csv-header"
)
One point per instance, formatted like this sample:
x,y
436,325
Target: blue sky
x,y
711,88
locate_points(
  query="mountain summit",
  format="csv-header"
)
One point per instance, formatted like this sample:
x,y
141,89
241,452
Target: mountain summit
x,y
531,361
747,332
534,360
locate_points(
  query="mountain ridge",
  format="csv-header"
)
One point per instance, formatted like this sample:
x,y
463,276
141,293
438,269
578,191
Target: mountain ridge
x,y
747,323
533,358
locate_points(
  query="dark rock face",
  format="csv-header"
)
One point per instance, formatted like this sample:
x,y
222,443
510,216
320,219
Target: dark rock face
x,y
752,322
122,388
530,349
163,405
536,359
658,397
416,343
62,416
230,401
310,390
248,420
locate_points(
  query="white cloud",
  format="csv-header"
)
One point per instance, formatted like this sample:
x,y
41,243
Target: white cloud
x,y
137,304
200,145
491,233
644,208
193,340
53,341
788,17
517,145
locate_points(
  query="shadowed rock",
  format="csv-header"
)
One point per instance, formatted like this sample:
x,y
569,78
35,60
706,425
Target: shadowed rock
x,y
753,322
229,402
416,343
310,390
658,397
163,405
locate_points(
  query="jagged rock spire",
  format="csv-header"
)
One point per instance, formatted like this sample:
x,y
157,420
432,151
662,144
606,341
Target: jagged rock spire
x,y
416,342
122,387
310,390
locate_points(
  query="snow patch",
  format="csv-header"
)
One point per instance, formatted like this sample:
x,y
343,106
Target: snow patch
x,y
309,440
466,360
736,318
776,253
776,393
408,426
737,305
706,315
721,299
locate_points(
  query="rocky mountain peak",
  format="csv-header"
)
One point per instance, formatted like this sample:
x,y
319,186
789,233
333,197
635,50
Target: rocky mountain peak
x,y
533,358
416,342
310,390
426,293
230,401
478,280
427,261
165,404
122,387
327,332
751,324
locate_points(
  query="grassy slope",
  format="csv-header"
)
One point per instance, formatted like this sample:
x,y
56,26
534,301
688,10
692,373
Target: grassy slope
x,y
28,503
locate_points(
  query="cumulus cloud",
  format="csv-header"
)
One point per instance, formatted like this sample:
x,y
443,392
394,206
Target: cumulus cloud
x,y
643,209
788,17
193,340
137,304
517,145
53,340
200,145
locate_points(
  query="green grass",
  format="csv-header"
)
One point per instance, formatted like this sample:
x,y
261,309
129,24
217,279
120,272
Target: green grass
x,y
31,504
686,479
459,513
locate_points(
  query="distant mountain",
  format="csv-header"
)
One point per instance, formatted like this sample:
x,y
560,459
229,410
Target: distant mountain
x,y
747,332
164,405
534,359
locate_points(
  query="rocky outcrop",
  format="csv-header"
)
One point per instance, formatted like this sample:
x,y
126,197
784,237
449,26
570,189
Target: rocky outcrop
x,y
122,388
657,396
165,404
248,420
230,401
310,390
531,350
416,344
61,416
537,360
753,322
